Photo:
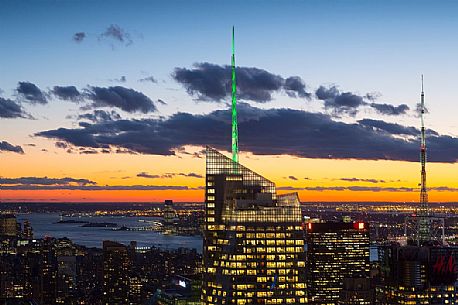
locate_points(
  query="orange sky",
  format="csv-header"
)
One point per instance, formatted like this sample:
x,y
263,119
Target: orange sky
x,y
122,169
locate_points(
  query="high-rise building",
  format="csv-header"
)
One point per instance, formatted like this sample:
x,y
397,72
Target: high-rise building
x,y
337,252
253,238
27,232
116,266
418,275
8,225
169,212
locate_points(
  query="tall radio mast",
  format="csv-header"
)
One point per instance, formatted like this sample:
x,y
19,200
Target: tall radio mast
x,y
423,212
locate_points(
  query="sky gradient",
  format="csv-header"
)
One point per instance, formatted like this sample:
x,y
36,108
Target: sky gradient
x,y
115,101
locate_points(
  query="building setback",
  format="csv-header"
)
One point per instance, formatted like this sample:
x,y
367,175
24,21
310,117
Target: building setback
x,y
253,238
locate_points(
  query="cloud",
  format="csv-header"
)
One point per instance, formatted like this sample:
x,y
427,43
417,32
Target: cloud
x,y
126,99
168,175
67,93
5,146
101,187
262,132
117,34
358,188
362,180
149,176
100,116
79,37
62,145
45,181
10,109
394,128
339,102
295,87
388,109
292,178
122,79
148,79
30,93
350,103
210,82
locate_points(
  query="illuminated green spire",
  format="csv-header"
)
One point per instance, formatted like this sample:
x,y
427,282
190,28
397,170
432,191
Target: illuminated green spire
x,y
235,131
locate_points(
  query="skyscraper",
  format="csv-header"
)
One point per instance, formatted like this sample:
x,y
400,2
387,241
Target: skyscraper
x,y
116,266
253,239
337,252
418,275
8,225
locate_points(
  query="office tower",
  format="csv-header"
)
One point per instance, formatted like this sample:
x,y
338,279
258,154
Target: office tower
x,y
169,212
418,275
253,238
8,225
336,252
47,273
116,266
27,231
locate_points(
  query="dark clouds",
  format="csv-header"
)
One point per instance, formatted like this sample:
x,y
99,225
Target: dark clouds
x,y
45,181
123,98
349,103
100,116
388,109
115,33
362,180
148,79
79,37
101,187
10,109
126,99
168,175
359,188
210,82
30,93
5,146
390,128
263,132
68,93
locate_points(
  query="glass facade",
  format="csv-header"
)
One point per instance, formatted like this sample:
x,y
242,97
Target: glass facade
x,y
253,238
337,252
418,275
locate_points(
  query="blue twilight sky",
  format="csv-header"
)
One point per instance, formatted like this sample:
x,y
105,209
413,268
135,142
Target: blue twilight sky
x,y
361,46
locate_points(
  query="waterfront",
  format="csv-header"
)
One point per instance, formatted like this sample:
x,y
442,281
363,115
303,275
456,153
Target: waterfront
x,y
45,224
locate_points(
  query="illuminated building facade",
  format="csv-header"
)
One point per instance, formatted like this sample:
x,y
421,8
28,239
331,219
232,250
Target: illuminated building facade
x,y
336,252
8,225
116,266
418,275
253,239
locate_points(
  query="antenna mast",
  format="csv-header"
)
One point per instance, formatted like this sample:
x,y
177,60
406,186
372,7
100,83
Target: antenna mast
x,y
423,212
235,131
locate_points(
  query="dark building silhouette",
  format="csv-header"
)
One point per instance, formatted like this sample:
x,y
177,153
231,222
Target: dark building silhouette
x,y
357,291
253,238
116,266
418,275
336,251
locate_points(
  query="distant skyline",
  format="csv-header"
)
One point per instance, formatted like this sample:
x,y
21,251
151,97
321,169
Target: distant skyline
x,y
116,102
